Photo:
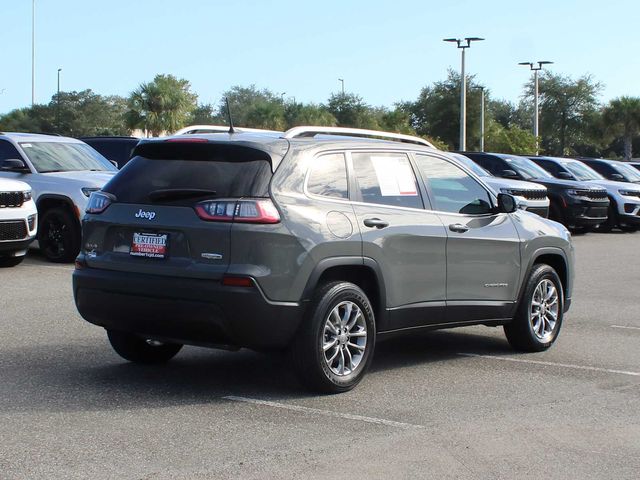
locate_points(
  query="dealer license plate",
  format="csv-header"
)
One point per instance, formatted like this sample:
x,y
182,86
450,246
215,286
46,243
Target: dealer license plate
x,y
149,245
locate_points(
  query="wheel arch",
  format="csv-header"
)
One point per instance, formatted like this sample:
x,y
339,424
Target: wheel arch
x,y
49,201
361,271
555,258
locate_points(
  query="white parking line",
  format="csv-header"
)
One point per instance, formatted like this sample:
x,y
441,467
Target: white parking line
x,y
553,364
327,413
625,327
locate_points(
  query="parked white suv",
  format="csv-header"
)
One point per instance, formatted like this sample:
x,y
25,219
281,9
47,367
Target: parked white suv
x,y
62,172
18,221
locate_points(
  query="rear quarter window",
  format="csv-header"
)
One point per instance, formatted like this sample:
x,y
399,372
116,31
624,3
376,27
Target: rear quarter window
x,y
328,176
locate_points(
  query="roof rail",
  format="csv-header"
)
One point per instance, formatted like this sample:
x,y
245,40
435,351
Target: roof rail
x,y
308,131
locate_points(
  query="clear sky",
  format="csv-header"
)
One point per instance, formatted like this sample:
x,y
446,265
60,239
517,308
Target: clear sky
x,y
385,50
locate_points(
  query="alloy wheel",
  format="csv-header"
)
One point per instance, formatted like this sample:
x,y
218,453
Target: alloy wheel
x,y
545,305
344,339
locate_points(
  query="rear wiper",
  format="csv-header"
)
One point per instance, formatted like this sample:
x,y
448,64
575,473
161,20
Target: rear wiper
x,y
179,193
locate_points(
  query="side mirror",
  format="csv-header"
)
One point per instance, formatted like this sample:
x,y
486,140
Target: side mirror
x,y
14,165
507,203
617,177
510,174
566,176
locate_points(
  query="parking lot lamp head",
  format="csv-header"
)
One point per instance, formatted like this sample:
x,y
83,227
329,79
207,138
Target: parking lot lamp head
x,y
463,44
536,125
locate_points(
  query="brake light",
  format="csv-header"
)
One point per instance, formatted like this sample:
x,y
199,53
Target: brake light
x,y
98,202
243,211
186,140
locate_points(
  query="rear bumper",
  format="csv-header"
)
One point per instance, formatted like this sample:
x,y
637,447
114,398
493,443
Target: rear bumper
x,y
188,311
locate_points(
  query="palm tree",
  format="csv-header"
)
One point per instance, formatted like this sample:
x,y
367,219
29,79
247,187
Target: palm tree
x,y
622,117
162,105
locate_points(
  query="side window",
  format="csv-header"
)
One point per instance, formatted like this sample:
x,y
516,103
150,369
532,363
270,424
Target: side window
x,y
328,176
602,168
386,178
551,167
496,166
8,151
452,189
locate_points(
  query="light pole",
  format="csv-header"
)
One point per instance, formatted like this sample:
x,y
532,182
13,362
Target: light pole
x,y
481,118
282,96
58,98
341,80
463,89
536,130
33,52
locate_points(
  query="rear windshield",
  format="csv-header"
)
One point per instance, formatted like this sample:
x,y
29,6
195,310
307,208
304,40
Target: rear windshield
x,y
220,171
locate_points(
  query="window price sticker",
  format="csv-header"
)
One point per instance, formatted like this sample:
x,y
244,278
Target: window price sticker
x,y
395,176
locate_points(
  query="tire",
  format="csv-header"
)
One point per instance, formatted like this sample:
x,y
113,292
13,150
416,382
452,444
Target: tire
x,y
138,350
628,228
7,262
59,235
523,332
315,367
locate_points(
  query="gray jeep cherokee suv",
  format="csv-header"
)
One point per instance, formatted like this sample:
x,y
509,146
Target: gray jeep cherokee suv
x,y
316,244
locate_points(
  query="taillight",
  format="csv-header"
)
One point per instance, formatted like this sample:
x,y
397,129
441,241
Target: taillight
x,y
256,211
98,202
244,211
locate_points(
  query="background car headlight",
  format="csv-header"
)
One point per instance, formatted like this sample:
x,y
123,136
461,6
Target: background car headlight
x,y
510,191
89,190
629,193
26,196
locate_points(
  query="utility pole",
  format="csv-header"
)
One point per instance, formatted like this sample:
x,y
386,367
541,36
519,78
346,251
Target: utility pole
x,y
536,114
463,89
481,118
58,102
33,52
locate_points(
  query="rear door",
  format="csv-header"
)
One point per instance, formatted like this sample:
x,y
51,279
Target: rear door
x,y
173,206
406,241
483,247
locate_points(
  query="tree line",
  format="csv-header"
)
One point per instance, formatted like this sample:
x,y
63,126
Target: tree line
x,y
573,121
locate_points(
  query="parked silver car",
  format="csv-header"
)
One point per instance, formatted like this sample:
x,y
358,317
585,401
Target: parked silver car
x,y
62,173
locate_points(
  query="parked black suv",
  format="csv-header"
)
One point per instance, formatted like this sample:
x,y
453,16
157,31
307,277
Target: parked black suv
x,y
576,205
316,245
115,149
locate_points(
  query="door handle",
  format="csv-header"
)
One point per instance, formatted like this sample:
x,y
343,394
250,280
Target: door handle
x,y
375,222
458,228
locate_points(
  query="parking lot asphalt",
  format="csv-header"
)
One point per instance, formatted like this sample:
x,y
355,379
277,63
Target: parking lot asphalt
x,y
446,404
